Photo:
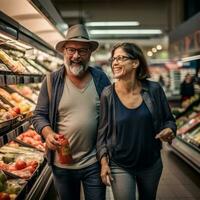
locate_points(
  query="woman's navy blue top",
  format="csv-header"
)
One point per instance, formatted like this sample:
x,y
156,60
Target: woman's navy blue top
x,y
135,146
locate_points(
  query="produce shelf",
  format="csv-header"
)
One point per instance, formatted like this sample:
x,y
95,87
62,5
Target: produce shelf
x,y
187,153
9,78
41,185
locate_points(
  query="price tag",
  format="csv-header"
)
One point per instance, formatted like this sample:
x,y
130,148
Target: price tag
x,y
18,79
25,126
1,141
2,80
18,130
26,79
11,135
11,79
36,79
31,79
5,139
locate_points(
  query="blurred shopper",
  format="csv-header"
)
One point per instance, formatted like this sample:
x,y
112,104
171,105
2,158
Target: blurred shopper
x,y
70,118
134,118
161,81
187,87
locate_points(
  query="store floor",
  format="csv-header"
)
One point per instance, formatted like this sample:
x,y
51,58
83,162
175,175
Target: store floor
x,y
178,182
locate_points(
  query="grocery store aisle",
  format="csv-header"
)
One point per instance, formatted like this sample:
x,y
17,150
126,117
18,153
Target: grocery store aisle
x,y
178,182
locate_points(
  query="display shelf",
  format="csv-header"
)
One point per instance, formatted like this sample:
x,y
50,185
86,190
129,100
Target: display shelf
x,y
14,30
195,103
41,185
187,153
15,33
11,90
9,78
14,130
189,144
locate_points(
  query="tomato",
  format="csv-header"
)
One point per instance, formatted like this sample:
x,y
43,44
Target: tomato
x,y
31,169
4,196
37,137
20,164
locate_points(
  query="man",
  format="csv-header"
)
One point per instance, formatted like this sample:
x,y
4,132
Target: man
x,y
72,111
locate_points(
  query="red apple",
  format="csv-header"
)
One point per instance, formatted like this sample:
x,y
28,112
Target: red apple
x,y
20,164
17,110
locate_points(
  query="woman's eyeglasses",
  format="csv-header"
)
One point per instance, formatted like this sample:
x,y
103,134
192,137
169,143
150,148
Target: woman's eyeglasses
x,y
120,59
82,51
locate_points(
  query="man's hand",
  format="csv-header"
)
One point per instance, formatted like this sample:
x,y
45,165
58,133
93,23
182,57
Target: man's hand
x,y
166,135
51,141
51,138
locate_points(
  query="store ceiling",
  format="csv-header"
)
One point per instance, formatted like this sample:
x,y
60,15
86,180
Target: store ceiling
x,y
28,15
48,18
151,14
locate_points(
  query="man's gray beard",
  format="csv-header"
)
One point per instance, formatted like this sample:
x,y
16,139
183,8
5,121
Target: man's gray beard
x,y
76,71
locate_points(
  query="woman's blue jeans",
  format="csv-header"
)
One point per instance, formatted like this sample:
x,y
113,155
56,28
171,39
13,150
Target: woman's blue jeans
x,y
124,183
67,183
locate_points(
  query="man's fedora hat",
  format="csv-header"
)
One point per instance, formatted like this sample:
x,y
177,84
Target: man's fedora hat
x,y
77,33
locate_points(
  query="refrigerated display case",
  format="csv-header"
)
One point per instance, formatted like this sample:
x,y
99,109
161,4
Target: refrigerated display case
x,y
184,46
21,72
187,142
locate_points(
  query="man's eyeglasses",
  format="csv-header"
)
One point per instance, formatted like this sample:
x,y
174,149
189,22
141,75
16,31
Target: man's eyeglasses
x,y
120,59
82,51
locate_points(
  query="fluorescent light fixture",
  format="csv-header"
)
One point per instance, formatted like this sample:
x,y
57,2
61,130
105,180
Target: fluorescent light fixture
x,y
133,23
186,59
158,61
126,32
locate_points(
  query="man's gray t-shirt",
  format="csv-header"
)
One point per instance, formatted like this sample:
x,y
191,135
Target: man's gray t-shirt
x,y
77,119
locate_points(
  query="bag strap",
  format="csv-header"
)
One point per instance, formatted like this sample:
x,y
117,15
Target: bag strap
x,y
49,85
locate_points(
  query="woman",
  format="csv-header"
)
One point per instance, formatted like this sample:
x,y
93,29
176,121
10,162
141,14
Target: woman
x,y
187,88
134,118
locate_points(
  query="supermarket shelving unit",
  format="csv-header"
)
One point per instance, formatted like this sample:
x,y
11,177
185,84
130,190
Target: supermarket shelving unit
x,y
184,46
13,30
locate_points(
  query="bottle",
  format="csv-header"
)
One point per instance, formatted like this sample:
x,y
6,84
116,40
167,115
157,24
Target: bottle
x,y
64,153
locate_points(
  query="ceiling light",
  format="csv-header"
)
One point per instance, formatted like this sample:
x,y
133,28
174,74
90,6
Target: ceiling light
x,y
126,32
149,53
154,50
133,23
158,47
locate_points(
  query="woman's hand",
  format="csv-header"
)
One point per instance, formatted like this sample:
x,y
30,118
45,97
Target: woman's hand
x,y
166,135
105,172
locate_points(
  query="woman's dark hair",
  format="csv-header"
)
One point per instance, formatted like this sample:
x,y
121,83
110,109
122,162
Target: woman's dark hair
x,y
135,52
